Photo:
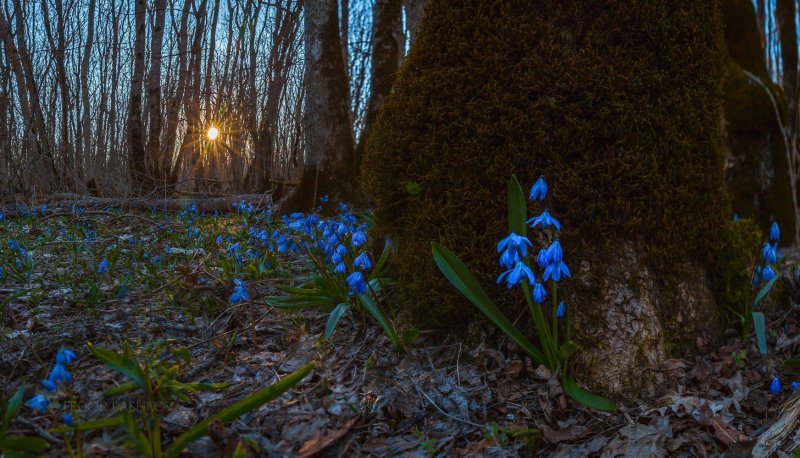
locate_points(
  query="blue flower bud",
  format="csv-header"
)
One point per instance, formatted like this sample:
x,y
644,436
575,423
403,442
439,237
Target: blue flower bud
x,y
775,387
774,232
539,293
561,310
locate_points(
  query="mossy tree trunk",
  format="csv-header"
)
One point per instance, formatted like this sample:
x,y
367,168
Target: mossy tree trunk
x,y
387,52
330,167
618,104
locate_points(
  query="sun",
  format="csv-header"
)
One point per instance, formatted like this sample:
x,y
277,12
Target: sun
x,y
213,133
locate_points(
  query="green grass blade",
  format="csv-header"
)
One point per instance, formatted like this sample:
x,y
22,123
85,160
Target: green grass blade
x,y
463,280
766,289
239,408
586,398
22,444
12,409
334,317
370,306
119,363
113,422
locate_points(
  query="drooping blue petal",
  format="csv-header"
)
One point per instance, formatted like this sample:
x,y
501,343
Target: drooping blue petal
x,y
541,259
768,254
774,232
539,190
363,262
65,356
545,220
561,310
103,267
775,386
767,274
539,293
38,403
356,282
59,374
359,238
517,274
554,252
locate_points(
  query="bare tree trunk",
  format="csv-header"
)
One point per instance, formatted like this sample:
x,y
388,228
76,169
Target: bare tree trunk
x,y
135,123
152,164
174,107
387,52
86,137
27,91
330,163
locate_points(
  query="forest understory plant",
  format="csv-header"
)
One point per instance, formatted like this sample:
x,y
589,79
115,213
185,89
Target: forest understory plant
x,y
342,276
551,324
766,274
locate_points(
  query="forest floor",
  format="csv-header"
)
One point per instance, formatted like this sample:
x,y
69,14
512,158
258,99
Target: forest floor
x,y
168,287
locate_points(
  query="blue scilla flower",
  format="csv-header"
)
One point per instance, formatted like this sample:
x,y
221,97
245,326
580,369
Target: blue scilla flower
x,y
775,386
363,262
103,267
49,386
757,276
515,275
541,259
65,356
239,291
356,282
59,374
340,268
561,310
545,220
774,232
795,386
341,250
768,253
68,420
336,258
509,258
38,403
359,238
324,199
557,271
767,274
554,252
220,240
539,190
513,249
735,217
539,293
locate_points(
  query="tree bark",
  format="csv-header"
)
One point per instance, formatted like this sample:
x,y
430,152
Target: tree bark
x,y
152,164
387,52
330,166
135,124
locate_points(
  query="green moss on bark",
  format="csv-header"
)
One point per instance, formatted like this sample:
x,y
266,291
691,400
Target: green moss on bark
x,y
617,103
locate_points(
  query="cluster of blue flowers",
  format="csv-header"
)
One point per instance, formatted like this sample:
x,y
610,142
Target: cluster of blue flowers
x,y
58,375
340,242
22,255
513,252
769,256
